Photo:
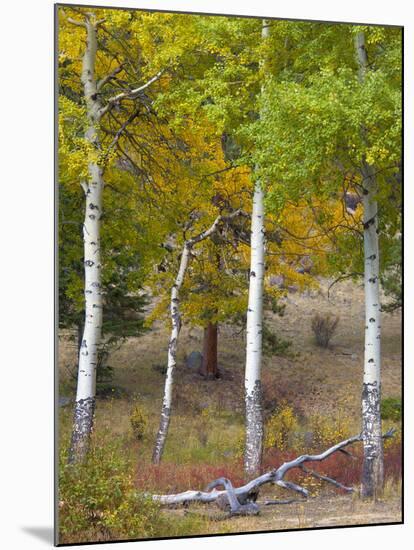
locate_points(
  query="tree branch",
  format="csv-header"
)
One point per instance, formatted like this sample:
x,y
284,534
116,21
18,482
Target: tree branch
x,y
273,502
342,278
84,186
213,228
119,133
101,83
249,491
328,479
129,94
77,23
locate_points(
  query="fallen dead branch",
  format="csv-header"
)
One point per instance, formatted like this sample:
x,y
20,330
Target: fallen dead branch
x,y
287,501
236,508
238,498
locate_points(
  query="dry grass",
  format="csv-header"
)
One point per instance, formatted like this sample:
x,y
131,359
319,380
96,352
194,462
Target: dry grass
x,y
318,512
316,379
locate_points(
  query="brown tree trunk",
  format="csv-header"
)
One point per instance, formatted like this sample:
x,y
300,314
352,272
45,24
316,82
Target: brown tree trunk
x,y
209,367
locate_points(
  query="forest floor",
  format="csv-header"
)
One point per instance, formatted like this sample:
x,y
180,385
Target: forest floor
x,y
318,512
322,384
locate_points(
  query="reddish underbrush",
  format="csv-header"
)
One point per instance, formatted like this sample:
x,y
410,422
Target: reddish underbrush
x,y
171,478
339,466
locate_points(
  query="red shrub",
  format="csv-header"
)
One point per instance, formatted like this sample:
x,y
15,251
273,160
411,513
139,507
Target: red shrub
x,y
339,466
393,461
172,478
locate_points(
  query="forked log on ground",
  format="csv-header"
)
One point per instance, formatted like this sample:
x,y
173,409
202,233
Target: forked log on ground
x,y
239,498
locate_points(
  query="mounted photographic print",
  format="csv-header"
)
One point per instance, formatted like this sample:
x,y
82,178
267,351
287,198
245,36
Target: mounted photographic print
x,y
229,260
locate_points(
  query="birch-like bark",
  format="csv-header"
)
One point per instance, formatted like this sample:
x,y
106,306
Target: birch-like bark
x,y
172,356
373,467
253,385
93,188
175,332
91,339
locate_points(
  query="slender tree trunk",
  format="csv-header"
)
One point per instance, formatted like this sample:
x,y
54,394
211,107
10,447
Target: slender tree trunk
x,y
91,339
373,468
175,332
209,367
93,188
253,385
373,464
172,356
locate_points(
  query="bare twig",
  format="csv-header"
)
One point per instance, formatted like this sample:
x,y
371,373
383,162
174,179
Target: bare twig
x,y
274,502
347,453
342,278
328,479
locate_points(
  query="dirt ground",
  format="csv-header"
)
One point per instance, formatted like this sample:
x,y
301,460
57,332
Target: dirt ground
x,y
318,512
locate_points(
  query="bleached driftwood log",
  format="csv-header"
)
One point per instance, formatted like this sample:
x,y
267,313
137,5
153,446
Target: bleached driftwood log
x,y
236,508
248,493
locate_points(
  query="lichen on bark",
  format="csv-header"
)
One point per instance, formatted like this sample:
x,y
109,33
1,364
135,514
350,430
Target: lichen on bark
x,y
83,417
254,429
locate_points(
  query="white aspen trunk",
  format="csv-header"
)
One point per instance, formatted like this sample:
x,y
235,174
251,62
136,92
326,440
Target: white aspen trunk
x,y
373,464
373,469
175,332
253,385
172,356
92,334
91,339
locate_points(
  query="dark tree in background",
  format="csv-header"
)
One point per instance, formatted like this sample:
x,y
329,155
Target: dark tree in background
x,y
123,299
